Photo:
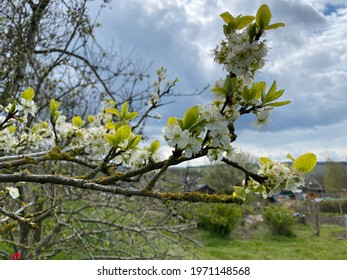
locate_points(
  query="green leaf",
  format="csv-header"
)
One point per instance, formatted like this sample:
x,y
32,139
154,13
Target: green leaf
x,y
243,21
123,132
11,108
171,121
124,110
198,126
257,89
252,31
227,17
305,163
28,94
120,136
91,118
264,160
246,94
190,117
240,192
219,90
275,26
226,29
289,156
230,84
133,141
271,93
263,16
110,125
113,111
112,140
278,104
154,146
131,115
54,106
12,129
77,121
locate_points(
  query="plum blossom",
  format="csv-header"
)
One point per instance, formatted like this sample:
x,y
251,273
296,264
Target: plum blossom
x,y
279,177
175,136
95,140
215,155
138,158
263,118
239,55
192,147
14,193
27,106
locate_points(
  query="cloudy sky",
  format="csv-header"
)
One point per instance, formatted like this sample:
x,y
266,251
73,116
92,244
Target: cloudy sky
x,y
308,59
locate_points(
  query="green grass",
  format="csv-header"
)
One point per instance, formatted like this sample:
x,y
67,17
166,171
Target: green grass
x,y
259,244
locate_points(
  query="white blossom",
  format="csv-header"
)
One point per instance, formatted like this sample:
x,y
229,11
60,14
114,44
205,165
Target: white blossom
x,y
263,119
215,155
192,147
27,106
95,141
175,136
138,158
14,193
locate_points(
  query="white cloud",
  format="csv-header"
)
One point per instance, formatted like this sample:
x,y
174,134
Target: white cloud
x,y
322,140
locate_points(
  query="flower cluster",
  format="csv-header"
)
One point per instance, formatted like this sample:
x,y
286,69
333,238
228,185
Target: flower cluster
x,y
182,139
263,118
240,55
279,177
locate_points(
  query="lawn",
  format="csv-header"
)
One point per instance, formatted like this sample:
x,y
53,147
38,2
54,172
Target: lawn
x,y
258,244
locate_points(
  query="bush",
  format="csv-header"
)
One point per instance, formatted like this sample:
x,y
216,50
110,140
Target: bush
x,y
219,219
279,220
333,206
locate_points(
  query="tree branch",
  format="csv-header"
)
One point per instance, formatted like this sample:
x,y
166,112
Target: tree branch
x,y
87,185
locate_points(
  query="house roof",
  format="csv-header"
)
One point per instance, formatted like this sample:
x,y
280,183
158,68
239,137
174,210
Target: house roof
x,y
311,184
202,186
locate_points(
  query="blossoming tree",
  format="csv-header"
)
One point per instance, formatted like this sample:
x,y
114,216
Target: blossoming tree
x,y
113,157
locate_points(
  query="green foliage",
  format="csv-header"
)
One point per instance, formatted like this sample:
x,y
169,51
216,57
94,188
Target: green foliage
x,y
218,219
279,220
333,206
305,163
240,192
54,106
272,95
154,146
120,136
77,121
133,141
190,117
335,177
263,18
28,94
237,23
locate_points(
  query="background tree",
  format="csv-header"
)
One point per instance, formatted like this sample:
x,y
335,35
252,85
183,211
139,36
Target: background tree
x,y
223,177
335,177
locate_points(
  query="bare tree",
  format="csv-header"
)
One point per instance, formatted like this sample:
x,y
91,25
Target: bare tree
x,y
50,45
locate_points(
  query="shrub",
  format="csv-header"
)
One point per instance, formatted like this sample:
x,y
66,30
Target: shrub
x,y
219,219
279,220
333,206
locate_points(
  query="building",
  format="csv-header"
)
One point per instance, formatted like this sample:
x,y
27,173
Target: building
x,y
204,188
312,189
